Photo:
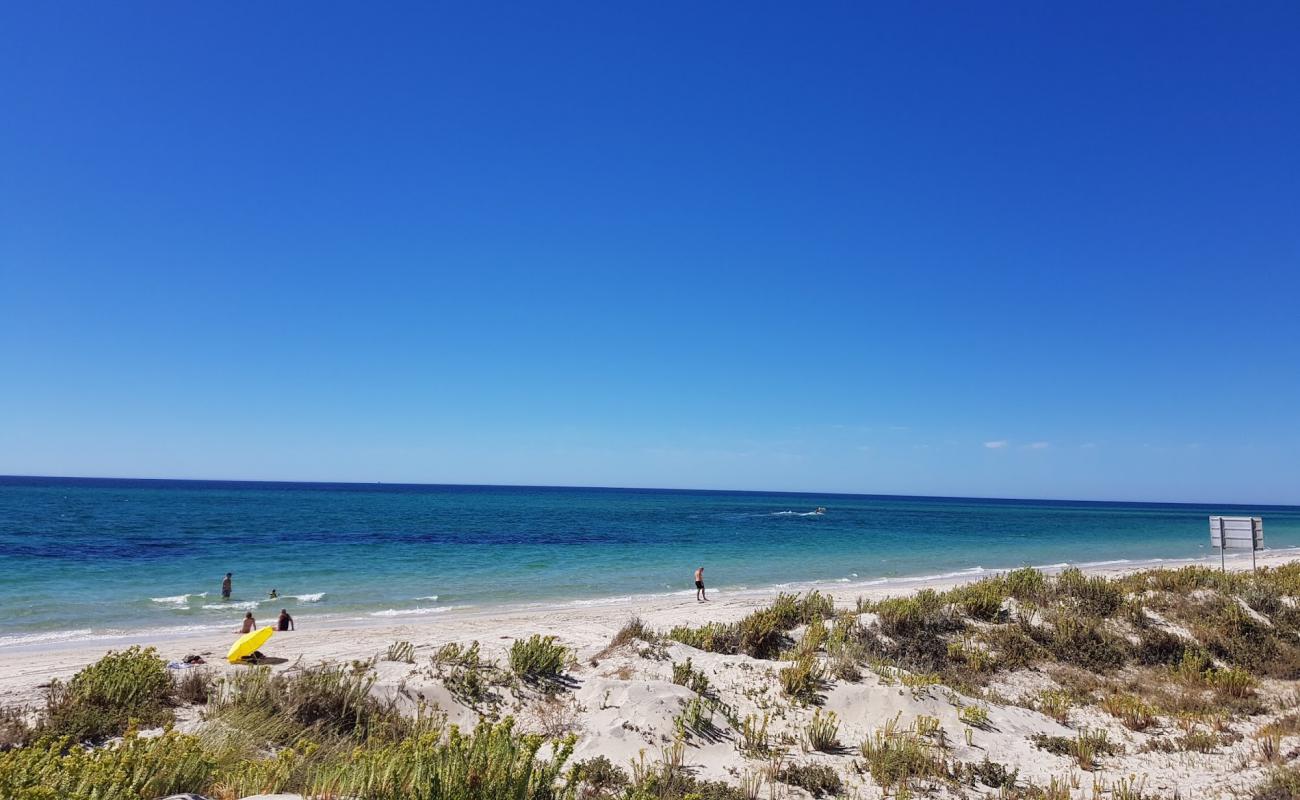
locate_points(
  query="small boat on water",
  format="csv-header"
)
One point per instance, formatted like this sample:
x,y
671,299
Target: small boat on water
x,y
819,510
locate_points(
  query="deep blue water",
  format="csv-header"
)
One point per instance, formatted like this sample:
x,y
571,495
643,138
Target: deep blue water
x,y
95,556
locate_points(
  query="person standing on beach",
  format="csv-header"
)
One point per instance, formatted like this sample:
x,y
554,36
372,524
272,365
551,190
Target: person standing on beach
x,y
699,585
285,623
225,586
250,624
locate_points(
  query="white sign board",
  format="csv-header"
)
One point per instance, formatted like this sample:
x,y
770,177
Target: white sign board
x,y
1246,533
1240,532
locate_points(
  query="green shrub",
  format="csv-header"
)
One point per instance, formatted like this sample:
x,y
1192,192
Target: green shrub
x,y
895,758
101,700
599,777
491,762
14,730
1084,748
57,769
400,651
1027,585
982,599
1080,640
194,686
802,681
819,780
712,638
684,674
1129,709
328,698
822,732
1093,596
538,658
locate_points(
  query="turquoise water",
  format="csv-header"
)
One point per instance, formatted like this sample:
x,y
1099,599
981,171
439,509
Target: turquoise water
x,y
89,557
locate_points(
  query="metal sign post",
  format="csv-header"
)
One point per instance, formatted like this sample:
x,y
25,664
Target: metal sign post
x,y
1237,532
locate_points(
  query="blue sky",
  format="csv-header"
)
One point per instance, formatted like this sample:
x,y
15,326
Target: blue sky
x,y
1010,249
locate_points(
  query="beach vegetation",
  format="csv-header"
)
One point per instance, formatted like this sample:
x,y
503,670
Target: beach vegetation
x,y
685,674
194,686
402,651
597,778
822,734
538,658
55,768
1085,748
802,681
103,699
819,780
1131,710
14,728
754,739
975,716
1282,783
895,758
1055,704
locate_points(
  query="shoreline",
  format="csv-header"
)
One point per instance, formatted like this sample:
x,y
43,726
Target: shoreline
x,y
587,627
113,639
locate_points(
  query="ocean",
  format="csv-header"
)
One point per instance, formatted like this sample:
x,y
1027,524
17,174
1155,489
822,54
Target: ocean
x,y
85,558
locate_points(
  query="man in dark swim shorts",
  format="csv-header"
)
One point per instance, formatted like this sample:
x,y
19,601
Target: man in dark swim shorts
x,y
225,587
699,585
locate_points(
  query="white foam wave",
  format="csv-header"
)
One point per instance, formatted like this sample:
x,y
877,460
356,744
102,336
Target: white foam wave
x,y
795,514
48,636
178,600
407,612
307,598
428,597
245,605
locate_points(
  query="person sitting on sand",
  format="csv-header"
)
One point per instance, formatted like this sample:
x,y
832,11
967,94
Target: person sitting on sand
x,y
285,622
274,594
699,585
250,624
225,586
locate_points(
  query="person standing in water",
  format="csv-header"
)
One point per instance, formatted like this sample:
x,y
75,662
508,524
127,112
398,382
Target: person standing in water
x,y
285,621
250,624
225,586
699,585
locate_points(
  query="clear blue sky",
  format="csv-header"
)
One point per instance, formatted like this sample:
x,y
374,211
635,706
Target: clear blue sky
x,y
1002,249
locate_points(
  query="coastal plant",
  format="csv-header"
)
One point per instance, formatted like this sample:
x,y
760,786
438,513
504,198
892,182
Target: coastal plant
x,y
194,686
819,780
597,778
894,758
1129,709
14,729
101,700
802,681
56,768
1055,704
696,720
982,599
400,651
1084,748
538,658
329,698
753,735
633,630
713,637
814,637
975,716
1093,596
822,732
491,761
1027,585
685,674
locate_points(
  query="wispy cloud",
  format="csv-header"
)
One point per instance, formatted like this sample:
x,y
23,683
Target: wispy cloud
x,y
1038,445
998,445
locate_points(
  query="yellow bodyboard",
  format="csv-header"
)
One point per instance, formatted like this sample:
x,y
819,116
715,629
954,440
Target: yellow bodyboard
x,y
248,643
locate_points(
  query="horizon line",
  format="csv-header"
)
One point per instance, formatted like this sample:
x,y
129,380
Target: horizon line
x,y
641,489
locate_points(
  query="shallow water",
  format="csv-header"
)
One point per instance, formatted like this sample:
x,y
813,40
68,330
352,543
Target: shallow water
x,y
87,557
